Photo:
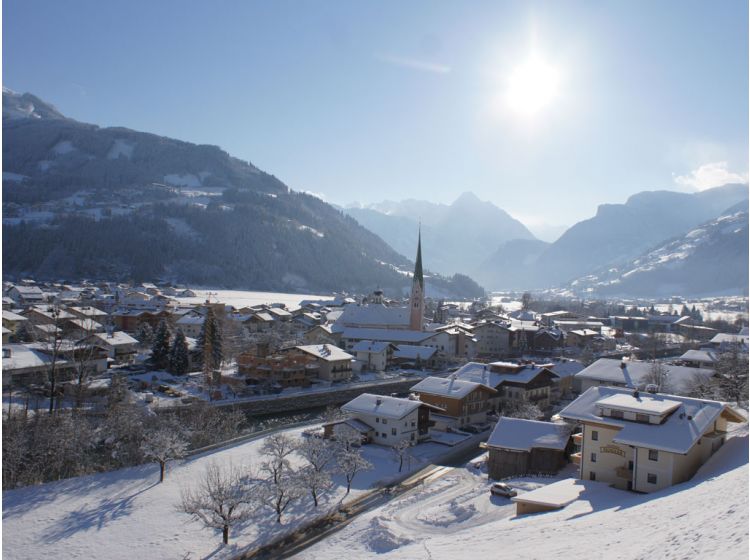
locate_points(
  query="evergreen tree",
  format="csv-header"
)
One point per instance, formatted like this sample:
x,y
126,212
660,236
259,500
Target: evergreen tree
x,y
160,347
178,355
685,311
145,334
210,348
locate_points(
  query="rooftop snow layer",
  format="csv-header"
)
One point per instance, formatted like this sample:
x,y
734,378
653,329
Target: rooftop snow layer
x,y
523,435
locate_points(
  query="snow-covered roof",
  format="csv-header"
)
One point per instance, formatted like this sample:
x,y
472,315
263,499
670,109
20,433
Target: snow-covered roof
x,y
374,316
705,356
627,402
412,352
116,338
389,335
450,387
726,338
584,332
191,320
566,368
326,352
13,317
482,373
635,374
523,435
23,356
264,316
380,405
370,346
559,494
677,434
89,311
279,312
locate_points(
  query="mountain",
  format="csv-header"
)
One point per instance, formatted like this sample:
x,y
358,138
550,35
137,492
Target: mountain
x,y
617,234
461,234
510,264
113,203
711,259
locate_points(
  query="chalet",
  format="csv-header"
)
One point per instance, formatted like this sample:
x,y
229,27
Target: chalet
x,y
278,370
44,315
390,419
645,441
518,447
464,402
513,382
634,374
334,364
120,346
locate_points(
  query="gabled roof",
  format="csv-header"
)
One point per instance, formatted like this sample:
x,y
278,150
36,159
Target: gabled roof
x,y
117,338
326,352
705,356
687,422
388,407
452,388
374,316
23,356
13,317
726,338
523,435
482,373
370,346
388,335
411,352
635,374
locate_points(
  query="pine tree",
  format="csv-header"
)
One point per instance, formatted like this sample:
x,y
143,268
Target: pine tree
x,y
685,311
209,346
160,347
145,334
178,355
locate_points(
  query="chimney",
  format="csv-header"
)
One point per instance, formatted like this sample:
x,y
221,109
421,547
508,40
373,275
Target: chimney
x,y
378,401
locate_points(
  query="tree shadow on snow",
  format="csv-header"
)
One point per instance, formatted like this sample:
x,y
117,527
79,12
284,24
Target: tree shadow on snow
x,y
96,517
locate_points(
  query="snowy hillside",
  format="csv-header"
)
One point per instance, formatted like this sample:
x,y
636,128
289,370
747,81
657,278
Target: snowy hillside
x,y
708,259
706,517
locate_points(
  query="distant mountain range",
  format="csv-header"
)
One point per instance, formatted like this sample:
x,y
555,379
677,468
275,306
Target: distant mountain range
x,y
710,259
80,201
457,236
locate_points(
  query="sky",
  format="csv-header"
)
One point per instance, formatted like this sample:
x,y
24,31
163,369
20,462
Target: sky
x,y
547,109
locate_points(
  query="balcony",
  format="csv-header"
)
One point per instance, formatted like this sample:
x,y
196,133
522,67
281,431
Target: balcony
x,y
576,458
578,438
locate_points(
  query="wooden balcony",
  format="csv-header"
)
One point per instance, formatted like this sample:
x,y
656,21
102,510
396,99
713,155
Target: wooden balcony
x,y
576,458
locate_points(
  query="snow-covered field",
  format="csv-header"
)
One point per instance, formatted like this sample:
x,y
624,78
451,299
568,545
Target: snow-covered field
x,y
455,517
240,298
127,514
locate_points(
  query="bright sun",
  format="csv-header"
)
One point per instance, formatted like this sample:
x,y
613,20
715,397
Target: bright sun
x,y
532,86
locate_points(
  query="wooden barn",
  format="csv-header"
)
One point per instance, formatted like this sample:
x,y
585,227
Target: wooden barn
x,y
518,447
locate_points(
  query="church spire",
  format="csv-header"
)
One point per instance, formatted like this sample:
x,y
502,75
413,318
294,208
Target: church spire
x,y
418,266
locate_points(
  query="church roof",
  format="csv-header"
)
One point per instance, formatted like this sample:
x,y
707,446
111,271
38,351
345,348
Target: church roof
x,y
418,276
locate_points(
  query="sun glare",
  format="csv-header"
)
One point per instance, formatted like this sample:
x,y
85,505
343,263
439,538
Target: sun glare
x,y
532,86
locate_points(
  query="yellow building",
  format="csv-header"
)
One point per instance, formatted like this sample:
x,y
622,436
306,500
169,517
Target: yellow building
x,y
645,441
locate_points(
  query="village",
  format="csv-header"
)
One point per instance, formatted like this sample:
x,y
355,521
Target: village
x,y
636,402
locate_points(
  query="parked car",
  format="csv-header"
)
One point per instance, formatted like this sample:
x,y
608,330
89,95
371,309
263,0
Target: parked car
x,y
502,489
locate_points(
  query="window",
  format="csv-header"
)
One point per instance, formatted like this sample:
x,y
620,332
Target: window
x,y
393,431
593,457
641,418
594,435
653,455
592,475
616,413
377,420
651,478
630,465
385,421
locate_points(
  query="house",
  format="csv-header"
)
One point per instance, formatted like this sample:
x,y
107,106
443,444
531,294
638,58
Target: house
x,y
334,364
278,370
518,447
700,358
322,334
12,321
407,355
373,356
88,312
513,382
724,342
191,324
616,373
6,335
581,338
390,419
24,364
493,339
645,441
260,322
120,346
27,295
548,339
464,402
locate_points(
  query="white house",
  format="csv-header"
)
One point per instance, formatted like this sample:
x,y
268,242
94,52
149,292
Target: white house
x,y
373,355
392,419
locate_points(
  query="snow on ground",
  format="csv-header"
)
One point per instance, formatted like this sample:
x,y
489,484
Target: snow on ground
x,y
63,147
128,514
455,517
186,180
121,148
239,298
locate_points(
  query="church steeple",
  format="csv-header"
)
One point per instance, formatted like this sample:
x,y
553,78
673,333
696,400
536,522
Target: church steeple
x,y
416,301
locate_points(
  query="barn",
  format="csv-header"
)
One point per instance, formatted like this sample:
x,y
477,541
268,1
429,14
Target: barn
x,y
518,447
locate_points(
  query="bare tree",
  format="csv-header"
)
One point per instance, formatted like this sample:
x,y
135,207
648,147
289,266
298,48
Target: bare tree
x,y
317,482
280,489
658,374
401,451
318,452
163,443
223,498
277,448
732,375
349,463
